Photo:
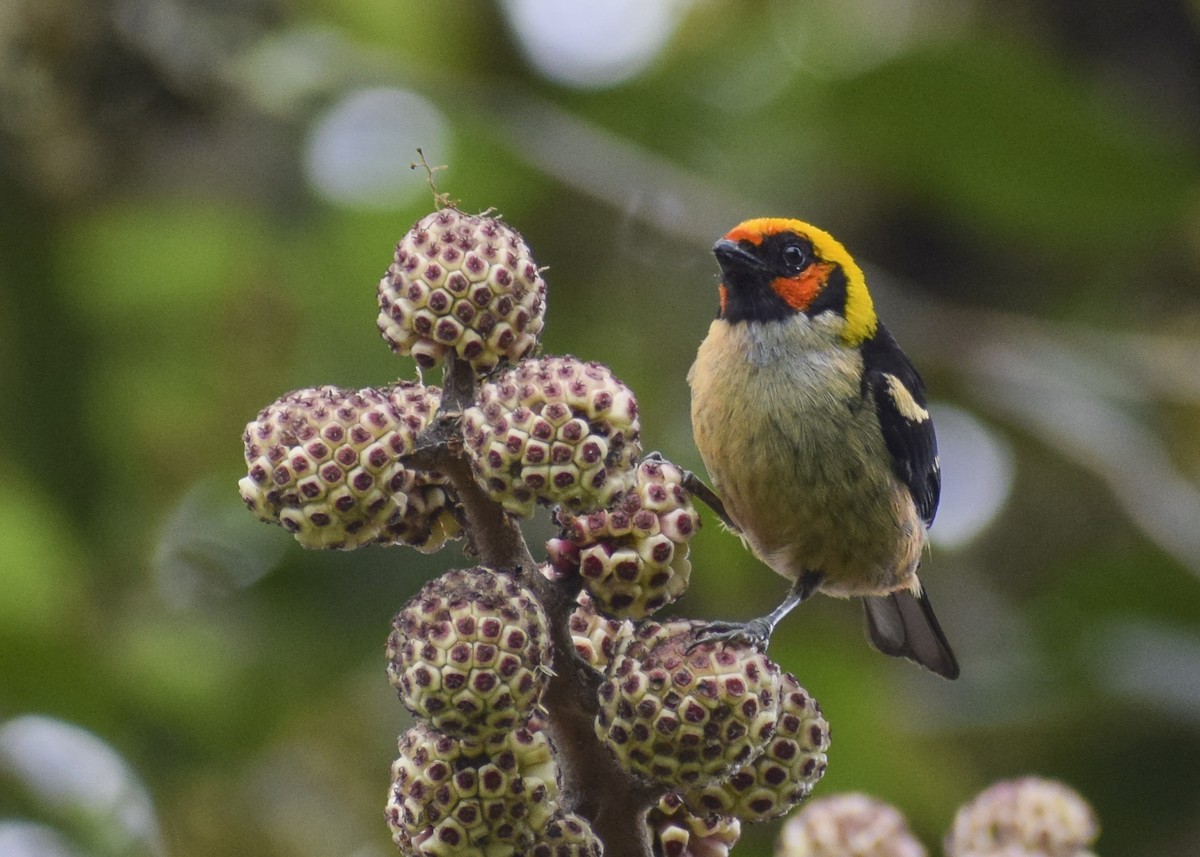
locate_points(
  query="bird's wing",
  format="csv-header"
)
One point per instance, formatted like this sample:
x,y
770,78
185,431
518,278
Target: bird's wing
x,y
899,396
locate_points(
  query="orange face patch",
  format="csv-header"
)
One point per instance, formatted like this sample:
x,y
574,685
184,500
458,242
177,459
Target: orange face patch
x,y
723,294
800,291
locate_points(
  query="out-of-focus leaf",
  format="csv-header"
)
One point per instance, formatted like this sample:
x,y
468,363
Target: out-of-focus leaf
x,y
27,839
152,262
73,775
40,581
1002,138
182,669
210,546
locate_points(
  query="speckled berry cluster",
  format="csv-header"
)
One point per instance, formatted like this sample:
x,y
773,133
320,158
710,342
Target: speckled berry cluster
x,y
633,556
678,832
471,796
720,725
1027,817
567,835
466,283
555,430
682,714
596,637
324,463
848,825
470,653
783,774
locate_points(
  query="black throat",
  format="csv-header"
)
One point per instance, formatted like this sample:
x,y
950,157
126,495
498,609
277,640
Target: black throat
x,y
749,297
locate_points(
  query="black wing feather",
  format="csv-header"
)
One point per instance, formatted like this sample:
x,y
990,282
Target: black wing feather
x,y
911,442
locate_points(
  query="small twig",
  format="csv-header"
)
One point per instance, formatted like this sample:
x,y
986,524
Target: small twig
x,y
495,536
441,200
458,386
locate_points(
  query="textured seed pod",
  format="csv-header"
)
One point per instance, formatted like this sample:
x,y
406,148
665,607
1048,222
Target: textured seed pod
x,y
784,774
848,825
680,833
463,282
567,835
472,796
555,430
1020,851
685,719
430,516
470,653
596,637
324,463
1044,817
633,556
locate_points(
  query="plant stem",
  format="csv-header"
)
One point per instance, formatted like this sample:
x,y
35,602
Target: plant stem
x,y
593,784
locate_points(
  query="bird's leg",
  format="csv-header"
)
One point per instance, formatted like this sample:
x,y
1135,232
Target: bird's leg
x,y
757,632
696,487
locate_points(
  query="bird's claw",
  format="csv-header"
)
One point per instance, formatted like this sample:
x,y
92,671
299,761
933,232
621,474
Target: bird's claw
x,y
755,633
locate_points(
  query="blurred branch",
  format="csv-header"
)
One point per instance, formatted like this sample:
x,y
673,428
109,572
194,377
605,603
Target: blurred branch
x,y
1150,663
602,164
1099,436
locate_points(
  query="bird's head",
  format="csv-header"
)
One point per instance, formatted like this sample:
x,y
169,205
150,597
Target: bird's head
x,y
773,268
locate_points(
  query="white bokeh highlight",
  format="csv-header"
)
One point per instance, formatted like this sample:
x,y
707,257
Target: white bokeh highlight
x,y
592,44
977,475
360,152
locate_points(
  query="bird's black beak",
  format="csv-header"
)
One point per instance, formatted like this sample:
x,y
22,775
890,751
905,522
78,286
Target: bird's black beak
x,y
732,256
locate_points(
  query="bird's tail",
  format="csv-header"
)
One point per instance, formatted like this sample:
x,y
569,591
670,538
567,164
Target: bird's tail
x,y
902,624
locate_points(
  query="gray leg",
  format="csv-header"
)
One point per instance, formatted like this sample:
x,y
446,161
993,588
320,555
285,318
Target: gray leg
x,y
695,485
757,632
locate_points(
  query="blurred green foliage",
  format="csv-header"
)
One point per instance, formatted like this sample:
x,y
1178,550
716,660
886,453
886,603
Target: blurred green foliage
x,y
1023,181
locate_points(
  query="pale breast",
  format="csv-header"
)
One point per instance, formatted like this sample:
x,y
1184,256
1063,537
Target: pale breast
x,y
797,455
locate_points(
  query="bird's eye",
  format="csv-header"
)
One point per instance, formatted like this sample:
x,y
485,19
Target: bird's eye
x,y
795,257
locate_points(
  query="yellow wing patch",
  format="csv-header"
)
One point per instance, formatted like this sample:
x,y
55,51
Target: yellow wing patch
x,y
905,404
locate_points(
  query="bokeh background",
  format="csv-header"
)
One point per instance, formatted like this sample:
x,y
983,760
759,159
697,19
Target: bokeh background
x,y
197,198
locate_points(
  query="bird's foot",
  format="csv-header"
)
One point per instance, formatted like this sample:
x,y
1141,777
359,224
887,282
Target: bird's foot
x,y
755,633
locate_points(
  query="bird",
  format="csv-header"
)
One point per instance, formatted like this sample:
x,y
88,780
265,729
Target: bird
x,y
814,428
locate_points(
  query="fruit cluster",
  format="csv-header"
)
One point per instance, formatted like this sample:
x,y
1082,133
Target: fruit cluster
x,y
325,463
848,825
633,556
555,431
733,738
465,283
678,832
1028,817
470,655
